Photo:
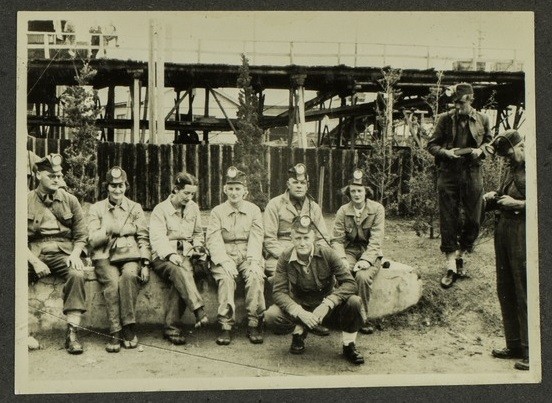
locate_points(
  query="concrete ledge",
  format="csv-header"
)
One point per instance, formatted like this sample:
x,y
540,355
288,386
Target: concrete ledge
x,y
394,290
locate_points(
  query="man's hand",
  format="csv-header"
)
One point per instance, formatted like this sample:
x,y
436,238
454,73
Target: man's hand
x,y
361,265
489,196
230,268
371,274
509,203
321,311
40,268
308,318
144,274
176,259
476,153
75,261
451,155
256,269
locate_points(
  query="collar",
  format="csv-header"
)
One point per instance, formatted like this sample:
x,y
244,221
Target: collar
x,y
369,208
168,208
55,196
314,252
229,209
124,204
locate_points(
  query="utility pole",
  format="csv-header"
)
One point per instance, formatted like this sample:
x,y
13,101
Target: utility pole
x,y
156,81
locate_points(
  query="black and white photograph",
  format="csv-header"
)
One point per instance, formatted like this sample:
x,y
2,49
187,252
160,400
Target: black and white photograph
x,y
222,200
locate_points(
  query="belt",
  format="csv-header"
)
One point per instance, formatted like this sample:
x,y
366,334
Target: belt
x,y
236,241
51,238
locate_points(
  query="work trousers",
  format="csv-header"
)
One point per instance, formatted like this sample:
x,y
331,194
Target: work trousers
x,y
74,293
183,290
120,287
226,284
362,278
511,278
346,317
460,189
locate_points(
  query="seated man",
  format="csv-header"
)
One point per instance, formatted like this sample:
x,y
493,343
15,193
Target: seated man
x,y
175,232
358,236
56,233
305,292
235,241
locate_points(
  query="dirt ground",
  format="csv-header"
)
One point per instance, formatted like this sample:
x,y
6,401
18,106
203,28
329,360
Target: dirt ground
x,y
449,331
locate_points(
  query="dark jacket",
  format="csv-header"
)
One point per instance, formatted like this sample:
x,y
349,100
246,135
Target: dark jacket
x,y
325,264
445,133
68,212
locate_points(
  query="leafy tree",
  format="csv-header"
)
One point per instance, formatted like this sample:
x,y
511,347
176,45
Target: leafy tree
x,y
80,114
249,152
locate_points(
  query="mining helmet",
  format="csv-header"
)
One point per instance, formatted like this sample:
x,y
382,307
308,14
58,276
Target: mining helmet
x,y
234,175
502,143
299,172
358,178
116,175
302,224
50,163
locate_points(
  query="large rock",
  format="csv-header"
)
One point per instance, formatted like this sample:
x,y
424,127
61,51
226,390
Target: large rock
x,y
394,289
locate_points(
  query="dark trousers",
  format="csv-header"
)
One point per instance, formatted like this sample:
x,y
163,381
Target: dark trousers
x,y
459,190
511,279
120,289
183,291
346,317
74,294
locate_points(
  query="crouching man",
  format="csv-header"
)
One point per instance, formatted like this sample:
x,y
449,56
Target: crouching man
x,y
305,293
56,234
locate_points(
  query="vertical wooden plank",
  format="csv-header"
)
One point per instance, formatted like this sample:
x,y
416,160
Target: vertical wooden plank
x,y
214,166
102,156
287,162
274,170
203,174
127,163
52,146
166,167
324,158
142,176
178,159
313,171
190,159
153,173
337,178
40,147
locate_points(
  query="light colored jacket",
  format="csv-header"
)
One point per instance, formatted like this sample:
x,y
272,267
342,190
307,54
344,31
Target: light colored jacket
x,y
102,215
372,222
228,227
167,228
278,216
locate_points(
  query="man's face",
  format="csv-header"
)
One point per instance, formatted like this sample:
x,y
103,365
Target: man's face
x,y
297,188
463,107
49,181
303,243
184,195
358,193
116,191
517,153
235,192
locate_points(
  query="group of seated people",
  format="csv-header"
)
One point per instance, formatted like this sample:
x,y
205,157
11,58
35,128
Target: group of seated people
x,y
316,279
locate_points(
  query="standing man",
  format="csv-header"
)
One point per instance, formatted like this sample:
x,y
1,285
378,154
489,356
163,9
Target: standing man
x,y
358,236
510,251
306,293
56,234
458,141
235,242
175,233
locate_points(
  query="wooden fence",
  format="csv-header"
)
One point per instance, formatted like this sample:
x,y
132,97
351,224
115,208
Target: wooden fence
x,y
151,168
